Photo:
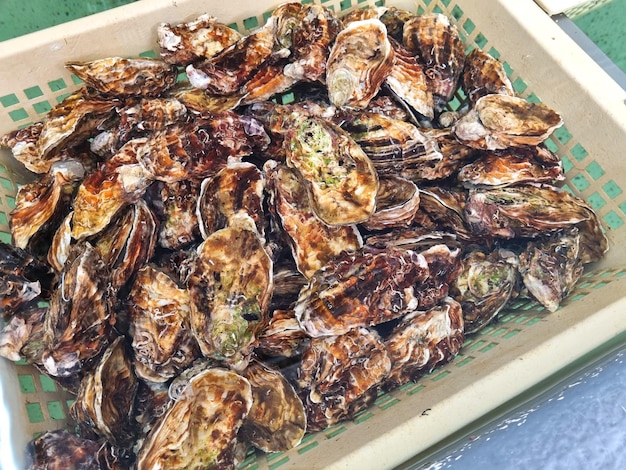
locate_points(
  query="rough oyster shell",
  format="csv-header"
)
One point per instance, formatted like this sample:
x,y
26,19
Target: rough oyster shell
x,y
230,287
220,400
277,419
551,266
162,342
397,201
189,42
105,400
20,330
126,77
484,75
23,145
438,45
341,180
359,62
423,340
499,121
484,286
339,376
282,336
313,242
363,288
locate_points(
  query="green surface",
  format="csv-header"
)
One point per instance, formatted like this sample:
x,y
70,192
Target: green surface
x,y
606,27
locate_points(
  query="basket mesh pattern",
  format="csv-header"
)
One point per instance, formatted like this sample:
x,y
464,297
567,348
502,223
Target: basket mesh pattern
x,y
47,405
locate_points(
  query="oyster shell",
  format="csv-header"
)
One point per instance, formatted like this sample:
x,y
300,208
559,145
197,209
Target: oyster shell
x,y
230,287
20,330
277,419
424,340
484,75
524,211
500,121
23,145
339,177
313,242
201,38
199,102
515,165
360,60
60,245
394,19
282,336
364,288
151,114
220,400
397,202
551,266
105,400
443,208
438,45
79,324
485,285
340,376
126,77
236,188
162,342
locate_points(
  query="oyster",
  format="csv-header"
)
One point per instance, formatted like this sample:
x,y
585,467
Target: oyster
x,y
313,243
20,330
23,145
199,102
340,376
524,211
443,208
359,62
339,177
162,342
408,81
220,400
364,288
486,284
44,202
236,188
397,202
484,75
60,244
151,114
424,340
268,81
551,266
230,287
126,77
152,401
117,183
277,419
500,121
79,324
437,43
515,165
282,336
105,399
394,19
201,38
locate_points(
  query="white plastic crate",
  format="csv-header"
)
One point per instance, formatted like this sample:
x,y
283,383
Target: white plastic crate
x,y
505,359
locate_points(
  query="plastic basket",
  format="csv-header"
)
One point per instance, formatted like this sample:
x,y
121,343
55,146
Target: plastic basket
x,y
524,347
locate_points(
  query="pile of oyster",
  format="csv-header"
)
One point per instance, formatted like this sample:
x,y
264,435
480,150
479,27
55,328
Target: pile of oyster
x,y
250,237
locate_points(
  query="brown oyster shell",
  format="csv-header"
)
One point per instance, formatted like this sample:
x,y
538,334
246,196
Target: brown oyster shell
x,y
408,81
397,202
339,177
551,266
126,77
79,325
499,121
364,288
484,75
340,376
21,328
23,145
162,342
44,201
151,114
201,38
230,287
515,165
359,62
524,211
277,419
394,18
313,242
485,285
268,81
118,182
282,336
236,188
424,340
199,102
219,399
443,208
438,45
105,400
